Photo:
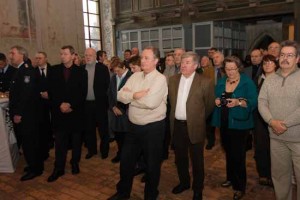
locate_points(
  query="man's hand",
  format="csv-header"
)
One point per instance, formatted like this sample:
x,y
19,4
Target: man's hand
x,y
278,126
117,111
17,119
65,107
126,89
140,94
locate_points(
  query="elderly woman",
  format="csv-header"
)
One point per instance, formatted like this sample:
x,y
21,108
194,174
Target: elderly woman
x,y
117,110
261,133
236,99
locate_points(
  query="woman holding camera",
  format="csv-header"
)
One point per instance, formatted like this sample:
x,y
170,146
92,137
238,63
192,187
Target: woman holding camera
x,y
236,99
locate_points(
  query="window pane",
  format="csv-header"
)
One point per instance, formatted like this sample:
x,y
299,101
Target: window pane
x,y
145,35
86,32
145,44
95,33
166,33
134,44
84,5
87,43
177,32
125,46
155,43
96,44
177,43
93,7
133,36
94,20
85,19
167,44
154,34
125,37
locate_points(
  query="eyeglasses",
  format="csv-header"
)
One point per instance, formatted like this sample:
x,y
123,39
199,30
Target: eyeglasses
x,y
268,62
229,70
287,55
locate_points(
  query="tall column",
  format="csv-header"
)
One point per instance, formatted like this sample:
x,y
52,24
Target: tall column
x,y
107,22
297,20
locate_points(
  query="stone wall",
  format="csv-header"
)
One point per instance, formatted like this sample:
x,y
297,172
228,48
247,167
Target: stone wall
x,y
42,25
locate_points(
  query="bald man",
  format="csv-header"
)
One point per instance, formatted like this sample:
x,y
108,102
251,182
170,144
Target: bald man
x,y
274,49
96,105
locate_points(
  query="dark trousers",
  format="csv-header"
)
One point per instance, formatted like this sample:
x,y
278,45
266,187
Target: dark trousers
x,y
45,131
30,142
62,139
120,137
91,122
235,143
210,132
262,148
149,140
167,139
183,147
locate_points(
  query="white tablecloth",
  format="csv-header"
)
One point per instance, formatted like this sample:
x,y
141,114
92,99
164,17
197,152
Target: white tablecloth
x,y
9,153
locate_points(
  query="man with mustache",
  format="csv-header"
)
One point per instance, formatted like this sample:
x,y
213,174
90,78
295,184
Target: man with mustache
x,y
278,104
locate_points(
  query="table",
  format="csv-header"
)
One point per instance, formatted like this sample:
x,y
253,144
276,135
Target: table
x,y
9,153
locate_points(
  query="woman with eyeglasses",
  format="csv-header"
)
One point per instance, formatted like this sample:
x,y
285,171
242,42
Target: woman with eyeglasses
x,y
236,99
261,133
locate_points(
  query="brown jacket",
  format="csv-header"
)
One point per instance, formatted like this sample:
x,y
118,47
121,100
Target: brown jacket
x,y
199,105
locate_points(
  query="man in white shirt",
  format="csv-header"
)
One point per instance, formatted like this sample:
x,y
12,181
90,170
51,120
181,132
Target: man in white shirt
x,y
146,93
192,100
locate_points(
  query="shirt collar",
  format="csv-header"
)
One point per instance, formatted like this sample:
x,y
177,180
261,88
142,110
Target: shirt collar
x,y
190,77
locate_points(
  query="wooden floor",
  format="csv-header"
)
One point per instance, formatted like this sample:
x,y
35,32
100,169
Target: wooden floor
x,y
98,178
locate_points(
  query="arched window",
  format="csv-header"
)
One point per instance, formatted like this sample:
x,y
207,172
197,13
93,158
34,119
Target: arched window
x,y
92,24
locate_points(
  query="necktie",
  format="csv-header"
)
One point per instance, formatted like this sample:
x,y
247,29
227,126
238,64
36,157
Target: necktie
x,y
43,73
219,75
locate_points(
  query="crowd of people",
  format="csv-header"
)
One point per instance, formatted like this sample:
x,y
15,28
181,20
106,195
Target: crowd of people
x,y
149,105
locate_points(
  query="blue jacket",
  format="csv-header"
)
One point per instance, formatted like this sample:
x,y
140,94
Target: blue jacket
x,y
238,117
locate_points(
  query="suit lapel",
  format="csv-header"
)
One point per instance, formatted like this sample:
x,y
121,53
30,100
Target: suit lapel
x,y
193,87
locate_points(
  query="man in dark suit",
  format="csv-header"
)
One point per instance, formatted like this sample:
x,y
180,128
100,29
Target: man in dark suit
x,y
96,105
24,110
6,74
192,100
45,129
67,92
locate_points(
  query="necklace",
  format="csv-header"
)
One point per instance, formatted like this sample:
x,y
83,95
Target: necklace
x,y
232,82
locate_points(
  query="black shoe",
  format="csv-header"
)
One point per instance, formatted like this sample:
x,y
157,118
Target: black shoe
x,y
26,169
89,155
209,146
55,175
119,196
30,175
180,188
238,195
197,196
226,184
115,159
75,169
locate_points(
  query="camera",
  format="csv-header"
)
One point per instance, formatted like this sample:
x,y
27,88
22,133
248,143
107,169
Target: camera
x,y
224,100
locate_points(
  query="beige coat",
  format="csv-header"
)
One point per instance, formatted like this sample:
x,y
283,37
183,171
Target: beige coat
x,y
199,105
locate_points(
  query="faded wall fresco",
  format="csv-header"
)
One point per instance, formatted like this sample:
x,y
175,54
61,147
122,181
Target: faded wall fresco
x,y
22,24
42,25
